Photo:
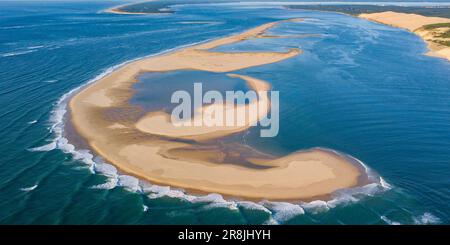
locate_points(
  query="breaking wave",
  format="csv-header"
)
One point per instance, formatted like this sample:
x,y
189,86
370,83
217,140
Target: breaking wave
x,y
47,147
16,53
389,221
426,219
29,188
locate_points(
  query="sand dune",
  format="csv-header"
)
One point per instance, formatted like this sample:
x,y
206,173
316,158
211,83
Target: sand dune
x,y
415,23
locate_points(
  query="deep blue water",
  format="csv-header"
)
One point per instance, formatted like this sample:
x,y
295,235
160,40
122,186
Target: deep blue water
x,y
359,87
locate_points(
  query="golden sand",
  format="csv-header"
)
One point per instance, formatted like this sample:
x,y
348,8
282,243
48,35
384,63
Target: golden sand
x,y
117,10
415,23
101,114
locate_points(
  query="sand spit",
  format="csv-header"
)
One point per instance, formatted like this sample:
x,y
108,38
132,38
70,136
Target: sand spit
x,y
113,128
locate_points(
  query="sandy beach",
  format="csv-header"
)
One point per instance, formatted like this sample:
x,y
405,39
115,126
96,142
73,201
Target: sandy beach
x,y
143,145
416,23
118,11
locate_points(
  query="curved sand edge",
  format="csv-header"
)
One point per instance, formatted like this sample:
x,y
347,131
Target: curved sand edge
x,y
97,110
159,123
117,10
413,23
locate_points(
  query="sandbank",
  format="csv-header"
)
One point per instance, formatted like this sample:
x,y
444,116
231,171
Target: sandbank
x,y
102,115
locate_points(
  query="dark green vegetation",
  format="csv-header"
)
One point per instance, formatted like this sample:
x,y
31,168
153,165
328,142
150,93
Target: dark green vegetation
x,y
148,7
360,9
433,26
445,34
440,25
164,6
446,43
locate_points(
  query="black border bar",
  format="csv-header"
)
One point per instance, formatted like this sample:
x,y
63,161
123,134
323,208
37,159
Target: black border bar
x,y
302,234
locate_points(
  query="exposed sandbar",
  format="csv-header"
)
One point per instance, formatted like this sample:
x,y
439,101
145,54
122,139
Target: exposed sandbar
x,y
102,115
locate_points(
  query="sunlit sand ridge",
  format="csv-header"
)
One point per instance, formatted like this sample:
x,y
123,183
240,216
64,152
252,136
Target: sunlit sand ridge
x,y
146,145
435,36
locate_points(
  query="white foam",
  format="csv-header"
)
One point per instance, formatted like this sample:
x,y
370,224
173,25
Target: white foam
x,y
32,122
106,169
214,200
47,147
352,195
283,211
110,184
80,168
30,188
144,208
130,183
110,172
253,206
385,184
389,222
155,191
227,205
316,206
341,200
172,194
11,27
426,219
271,221
213,197
35,47
50,81
10,54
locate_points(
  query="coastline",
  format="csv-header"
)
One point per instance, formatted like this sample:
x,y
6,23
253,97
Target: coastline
x,y
117,10
414,23
298,176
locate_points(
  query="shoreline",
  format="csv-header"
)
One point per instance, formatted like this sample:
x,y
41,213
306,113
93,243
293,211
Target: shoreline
x,y
131,150
117,10
414,23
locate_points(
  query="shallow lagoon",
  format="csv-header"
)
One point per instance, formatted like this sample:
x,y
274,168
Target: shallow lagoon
x,y
150,95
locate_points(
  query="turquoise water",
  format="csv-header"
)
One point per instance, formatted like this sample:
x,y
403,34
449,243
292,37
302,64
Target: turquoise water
x,y
359,87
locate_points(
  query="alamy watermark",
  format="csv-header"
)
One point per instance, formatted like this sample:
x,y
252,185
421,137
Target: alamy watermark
x,y
237,109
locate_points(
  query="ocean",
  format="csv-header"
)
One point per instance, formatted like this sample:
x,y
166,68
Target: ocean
x,y
359,88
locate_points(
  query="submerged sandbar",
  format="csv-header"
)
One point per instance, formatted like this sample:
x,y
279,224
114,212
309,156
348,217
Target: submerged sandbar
x,y
102,115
